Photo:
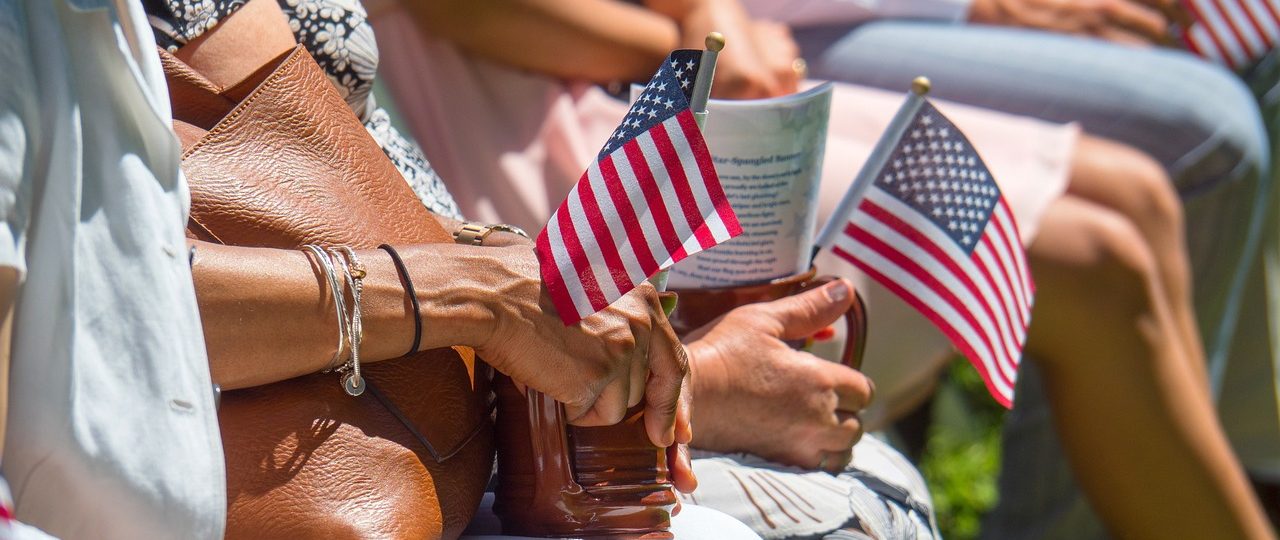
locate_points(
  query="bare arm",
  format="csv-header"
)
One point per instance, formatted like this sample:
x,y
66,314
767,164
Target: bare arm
x,y
267,317
595,40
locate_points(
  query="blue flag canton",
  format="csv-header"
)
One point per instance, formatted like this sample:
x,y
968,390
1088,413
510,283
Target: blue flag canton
x,y
936,171
668,92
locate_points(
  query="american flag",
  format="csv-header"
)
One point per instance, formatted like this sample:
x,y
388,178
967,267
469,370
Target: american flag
x,y
651,198
1232,32
933,228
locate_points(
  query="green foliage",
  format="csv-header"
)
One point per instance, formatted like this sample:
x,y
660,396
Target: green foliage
x,y
962,456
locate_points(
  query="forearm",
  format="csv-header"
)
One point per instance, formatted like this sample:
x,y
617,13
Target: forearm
x,y
268,314
595,40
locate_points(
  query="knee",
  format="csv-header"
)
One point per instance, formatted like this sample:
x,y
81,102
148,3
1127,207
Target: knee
x,y
1156,206
1112,270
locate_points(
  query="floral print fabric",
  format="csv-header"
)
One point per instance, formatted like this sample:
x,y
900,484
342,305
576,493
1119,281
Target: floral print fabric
x,y
338,36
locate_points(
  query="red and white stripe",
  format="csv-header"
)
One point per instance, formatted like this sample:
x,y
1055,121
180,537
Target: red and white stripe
x,y
652,202
1233,32
981,301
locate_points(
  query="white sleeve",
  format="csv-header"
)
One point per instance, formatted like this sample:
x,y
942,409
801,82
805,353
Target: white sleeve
x,y
17,99
802,13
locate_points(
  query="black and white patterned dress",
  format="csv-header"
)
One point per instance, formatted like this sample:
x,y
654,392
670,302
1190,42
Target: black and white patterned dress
x,y
339,37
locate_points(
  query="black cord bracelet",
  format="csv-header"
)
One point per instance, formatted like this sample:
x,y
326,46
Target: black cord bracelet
x,y
413,296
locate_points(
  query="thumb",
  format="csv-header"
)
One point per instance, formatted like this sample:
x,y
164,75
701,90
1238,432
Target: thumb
x,y
804,314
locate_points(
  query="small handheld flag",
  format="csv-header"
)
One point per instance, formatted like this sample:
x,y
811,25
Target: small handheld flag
x,y
1234,33
649,200
925,219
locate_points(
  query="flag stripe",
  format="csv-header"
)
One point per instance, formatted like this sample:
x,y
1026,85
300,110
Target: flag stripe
x,y
957,311
1012,241
1223,27
927,255
986,254
654,204
1236,22
589,262
651,197
687,201
910,246
726,225
871,263
655,235
636,242
1266,22
1211,20
559,272
1003,251
1254,23
623,267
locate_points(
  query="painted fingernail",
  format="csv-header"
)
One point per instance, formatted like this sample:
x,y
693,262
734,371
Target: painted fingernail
x,y
838,291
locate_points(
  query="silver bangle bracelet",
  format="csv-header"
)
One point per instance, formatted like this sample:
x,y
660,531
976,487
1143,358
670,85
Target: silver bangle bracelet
x,y
353,271
339,302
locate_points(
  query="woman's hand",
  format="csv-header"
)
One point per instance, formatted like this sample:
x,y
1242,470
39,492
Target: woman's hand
x,y
597,368
801,410
758,57
1122,21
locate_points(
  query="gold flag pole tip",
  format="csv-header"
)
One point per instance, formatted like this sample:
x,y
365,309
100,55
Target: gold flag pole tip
x,y
920,85
715,41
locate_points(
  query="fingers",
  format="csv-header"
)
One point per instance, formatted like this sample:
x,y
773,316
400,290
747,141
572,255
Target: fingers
x,y
1140,20
609,408
836,462
668,368
680,467
1173,10
804,314
854,390
684,414
639,375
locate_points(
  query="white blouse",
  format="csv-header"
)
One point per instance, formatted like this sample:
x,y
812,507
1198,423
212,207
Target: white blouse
x,y
112,430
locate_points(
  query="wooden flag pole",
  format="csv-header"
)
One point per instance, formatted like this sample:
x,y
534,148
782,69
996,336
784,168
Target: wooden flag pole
x,y
698,104
875,162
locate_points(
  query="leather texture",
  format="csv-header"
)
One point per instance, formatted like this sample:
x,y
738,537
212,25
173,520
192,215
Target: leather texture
x,y
279,160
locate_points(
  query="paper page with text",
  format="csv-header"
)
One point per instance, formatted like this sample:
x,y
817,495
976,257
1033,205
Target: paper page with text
x,y
768,154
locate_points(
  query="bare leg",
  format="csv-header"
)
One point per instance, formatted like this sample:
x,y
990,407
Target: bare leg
x,y
1133,184
1138,429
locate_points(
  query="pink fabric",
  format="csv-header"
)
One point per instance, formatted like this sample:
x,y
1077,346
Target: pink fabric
x,y
510,145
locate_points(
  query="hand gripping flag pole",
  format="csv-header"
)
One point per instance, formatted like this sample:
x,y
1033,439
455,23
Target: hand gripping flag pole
x,y
651,198
925,219
701,94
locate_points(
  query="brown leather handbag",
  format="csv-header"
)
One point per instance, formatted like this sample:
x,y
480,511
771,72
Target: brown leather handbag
x,y
279,160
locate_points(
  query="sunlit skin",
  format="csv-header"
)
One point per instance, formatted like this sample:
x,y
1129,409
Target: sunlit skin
x,y
1118,211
